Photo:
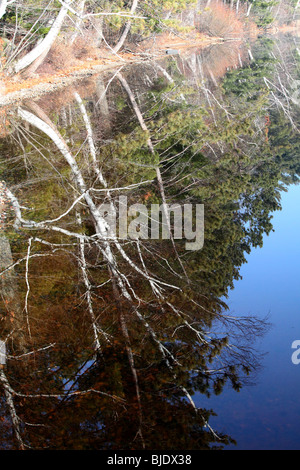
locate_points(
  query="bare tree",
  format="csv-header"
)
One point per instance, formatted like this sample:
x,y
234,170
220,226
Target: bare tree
x,y
127,27
39,52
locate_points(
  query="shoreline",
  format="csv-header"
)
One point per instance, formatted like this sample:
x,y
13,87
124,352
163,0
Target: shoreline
x,y
43,84
50,83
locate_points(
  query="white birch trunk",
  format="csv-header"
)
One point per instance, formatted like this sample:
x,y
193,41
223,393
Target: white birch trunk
x,y
102,227
102,101
78,21
127,28
43,47
2,353
9,393
3,6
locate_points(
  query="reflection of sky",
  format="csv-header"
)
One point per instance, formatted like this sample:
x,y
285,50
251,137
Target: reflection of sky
x,y
267,416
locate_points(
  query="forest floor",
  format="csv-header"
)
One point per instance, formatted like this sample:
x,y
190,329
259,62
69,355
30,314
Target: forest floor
x,y
16,89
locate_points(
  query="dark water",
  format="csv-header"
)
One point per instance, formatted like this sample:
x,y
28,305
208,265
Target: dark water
x,y
126,343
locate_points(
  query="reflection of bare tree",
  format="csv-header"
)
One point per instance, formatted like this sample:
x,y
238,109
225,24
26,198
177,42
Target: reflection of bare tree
x,y
13,314
9,393
9,293
132,292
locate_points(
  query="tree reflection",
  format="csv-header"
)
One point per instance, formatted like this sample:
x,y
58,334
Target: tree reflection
x,y
108,341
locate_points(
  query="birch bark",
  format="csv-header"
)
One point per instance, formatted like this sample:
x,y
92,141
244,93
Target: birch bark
x,y
127,27
44,46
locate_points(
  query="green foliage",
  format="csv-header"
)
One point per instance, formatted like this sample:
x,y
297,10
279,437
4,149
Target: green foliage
x,y
262,12
249,81
219,153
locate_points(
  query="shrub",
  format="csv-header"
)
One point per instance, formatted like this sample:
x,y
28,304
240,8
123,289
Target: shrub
x,y
219,20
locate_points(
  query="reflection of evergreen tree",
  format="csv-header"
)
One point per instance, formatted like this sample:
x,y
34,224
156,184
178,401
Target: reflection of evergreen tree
x,y
248,81
106,423
219,160
285,145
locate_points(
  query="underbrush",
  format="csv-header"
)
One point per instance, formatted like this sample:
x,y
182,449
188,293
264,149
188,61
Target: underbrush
x,y
218,20
65,54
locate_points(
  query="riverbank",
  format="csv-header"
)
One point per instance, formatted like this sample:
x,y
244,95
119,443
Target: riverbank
x,y
17,89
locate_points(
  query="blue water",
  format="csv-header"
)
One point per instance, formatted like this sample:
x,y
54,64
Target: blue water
x,y
267,415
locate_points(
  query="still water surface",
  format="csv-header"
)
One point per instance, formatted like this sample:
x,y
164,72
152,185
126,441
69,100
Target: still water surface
x,y
266,416
129,344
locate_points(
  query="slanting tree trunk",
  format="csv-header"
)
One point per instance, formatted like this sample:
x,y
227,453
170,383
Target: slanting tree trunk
x,y
90,139
8,282
98,24
3,6
127,27
295,10
102,103
44,46
78,21
2,353
9,293
249,9
9,394
35,65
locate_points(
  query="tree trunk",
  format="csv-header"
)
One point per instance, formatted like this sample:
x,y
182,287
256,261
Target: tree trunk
x,y
35,65
127,27
78,21
10,295
3,6
102,103
249,9
12,410
43,47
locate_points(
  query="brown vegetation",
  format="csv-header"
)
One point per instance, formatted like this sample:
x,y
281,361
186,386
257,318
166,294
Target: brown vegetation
x,y
62,64
158,44
64,55
73,59
226,56
219,20
4,123
293,27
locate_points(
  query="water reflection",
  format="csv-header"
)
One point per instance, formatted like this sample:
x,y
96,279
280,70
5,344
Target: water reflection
x,y
108,340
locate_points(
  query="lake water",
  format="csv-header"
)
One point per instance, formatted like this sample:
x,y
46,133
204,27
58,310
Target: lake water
x,y
135,341
266,415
